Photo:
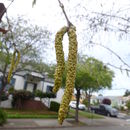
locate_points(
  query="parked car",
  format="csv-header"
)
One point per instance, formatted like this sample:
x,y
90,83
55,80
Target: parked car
x,y
80,107
104,109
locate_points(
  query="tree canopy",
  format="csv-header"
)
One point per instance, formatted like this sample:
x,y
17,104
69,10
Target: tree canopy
x,y
30,40
92,74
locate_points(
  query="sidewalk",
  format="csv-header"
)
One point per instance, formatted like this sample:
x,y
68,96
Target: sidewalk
x,y
34,123
52,123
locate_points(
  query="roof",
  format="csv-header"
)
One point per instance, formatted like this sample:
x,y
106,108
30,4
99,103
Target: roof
x,y
23,73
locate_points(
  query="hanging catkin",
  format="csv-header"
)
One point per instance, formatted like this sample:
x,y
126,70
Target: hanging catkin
x,y
60,59
71,74
14,62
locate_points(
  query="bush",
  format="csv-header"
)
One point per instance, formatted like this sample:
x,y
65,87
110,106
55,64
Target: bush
x,y
3,117
128,105
54,106
106,101
50,95
4,96
11,90
40,94
19,96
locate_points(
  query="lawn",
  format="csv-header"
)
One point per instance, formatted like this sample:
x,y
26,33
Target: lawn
x,y
87,114
13,113
46,114
43,114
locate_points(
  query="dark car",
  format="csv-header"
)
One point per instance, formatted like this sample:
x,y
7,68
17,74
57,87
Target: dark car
x,y
106,110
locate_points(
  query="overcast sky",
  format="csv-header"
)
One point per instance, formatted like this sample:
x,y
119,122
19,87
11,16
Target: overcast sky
x,y
47,13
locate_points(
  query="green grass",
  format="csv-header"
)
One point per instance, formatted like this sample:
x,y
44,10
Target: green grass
x,y
43,114
19,116
13,113
87,114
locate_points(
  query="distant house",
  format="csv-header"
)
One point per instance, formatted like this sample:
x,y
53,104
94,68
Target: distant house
x,y
116,101
31,81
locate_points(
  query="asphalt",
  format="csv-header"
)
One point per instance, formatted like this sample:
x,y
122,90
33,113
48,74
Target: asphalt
x,y
68,123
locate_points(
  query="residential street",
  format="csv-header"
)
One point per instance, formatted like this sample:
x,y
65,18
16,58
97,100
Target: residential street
x,y
124,116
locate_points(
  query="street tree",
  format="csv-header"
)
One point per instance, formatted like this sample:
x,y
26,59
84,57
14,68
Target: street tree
x,y
30,40
91,76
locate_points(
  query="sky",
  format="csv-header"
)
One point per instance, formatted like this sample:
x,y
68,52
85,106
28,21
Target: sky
x,y
47,13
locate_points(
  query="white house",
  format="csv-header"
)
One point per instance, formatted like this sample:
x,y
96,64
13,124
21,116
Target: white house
x,y
31,81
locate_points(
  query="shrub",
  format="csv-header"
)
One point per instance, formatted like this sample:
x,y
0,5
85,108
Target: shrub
x,y
4,96
51,95
3,117
106,101
19,96
54,106
128,105
11,90
40,94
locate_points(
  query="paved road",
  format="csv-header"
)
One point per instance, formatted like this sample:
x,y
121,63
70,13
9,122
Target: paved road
x,y
84,128
124,116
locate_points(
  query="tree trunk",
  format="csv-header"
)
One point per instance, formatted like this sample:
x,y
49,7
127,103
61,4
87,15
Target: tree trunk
x,y
3,84
89,105
3,81
88,96
77,104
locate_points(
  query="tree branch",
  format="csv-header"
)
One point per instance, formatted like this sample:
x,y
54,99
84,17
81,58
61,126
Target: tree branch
x,y
119,68
91,42
64,12
114,16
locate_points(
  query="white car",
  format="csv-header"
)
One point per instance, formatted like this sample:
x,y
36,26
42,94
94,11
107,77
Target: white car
x,y
73,105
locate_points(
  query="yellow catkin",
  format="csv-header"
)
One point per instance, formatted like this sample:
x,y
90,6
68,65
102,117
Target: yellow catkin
x,y
14,64
60,59
71,74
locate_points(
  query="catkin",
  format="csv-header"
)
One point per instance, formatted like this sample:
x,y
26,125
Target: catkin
x,y
14,64
71,74
60,59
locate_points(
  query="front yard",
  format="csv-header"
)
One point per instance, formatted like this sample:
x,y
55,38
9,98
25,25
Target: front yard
x,y
46,114
13,113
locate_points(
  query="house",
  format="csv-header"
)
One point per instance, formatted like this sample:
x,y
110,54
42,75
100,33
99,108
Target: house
x,y
116,101
31,81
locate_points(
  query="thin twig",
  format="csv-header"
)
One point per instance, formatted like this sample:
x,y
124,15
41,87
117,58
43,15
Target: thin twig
x,y
10,29
114,16
119,68
67,19
111,52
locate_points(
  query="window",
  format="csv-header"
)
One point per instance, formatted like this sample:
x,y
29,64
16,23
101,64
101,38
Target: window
x,y
12,82
49,89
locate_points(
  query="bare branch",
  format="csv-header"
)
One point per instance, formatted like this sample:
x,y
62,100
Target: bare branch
x,y
64,12
91,42
117,67
114,16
